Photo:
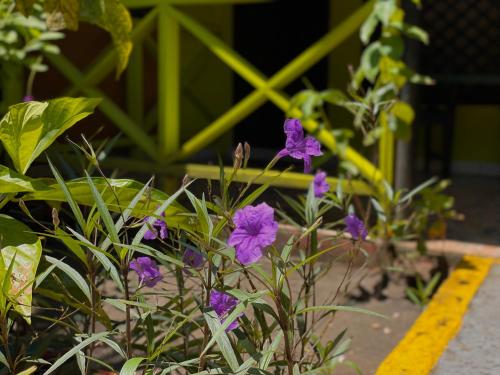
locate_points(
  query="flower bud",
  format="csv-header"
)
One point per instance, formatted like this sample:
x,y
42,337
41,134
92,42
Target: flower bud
x,y
247,154
238,156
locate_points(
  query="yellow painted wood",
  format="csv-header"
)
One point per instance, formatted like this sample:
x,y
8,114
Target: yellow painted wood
x,y
107,106
168,83
275,178
419,351
386,152
266,88
106,61
135,84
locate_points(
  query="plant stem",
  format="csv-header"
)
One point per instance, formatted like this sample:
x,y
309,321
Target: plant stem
x,y
5,341
93,291
285,326
127,311
206,332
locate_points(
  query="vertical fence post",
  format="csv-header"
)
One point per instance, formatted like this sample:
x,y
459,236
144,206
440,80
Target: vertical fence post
x,y
168,88
386,153
135,84
168,83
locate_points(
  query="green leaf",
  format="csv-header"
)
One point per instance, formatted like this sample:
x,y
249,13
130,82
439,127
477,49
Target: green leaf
x,y
3,360
368,27
131,366
221,338
113,17
103,210
30,128
24,249
401,117
340,308
162,208
126,213
334,96
370,60
101,255
77,213
13,182
30,370
74,351
62,14
126,190
73,274
268,354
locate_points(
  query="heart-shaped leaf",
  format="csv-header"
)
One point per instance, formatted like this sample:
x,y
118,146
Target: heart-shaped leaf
x,y
30,128
18,244
13,182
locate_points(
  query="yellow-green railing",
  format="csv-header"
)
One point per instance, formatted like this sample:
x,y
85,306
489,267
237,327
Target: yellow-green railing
x,y
165,149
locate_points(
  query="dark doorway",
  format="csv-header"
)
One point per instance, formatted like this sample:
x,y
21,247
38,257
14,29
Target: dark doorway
x,y
270,35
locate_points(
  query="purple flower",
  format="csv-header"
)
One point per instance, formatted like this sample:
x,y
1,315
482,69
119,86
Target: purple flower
x,y
255,229
148,271
297,146
28,98
223,304
157,227
193,258
320,185
355,227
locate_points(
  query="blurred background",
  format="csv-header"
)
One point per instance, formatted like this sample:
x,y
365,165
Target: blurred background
x,y
456,131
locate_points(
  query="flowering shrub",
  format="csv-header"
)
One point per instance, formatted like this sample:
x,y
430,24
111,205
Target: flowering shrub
x,y
127,278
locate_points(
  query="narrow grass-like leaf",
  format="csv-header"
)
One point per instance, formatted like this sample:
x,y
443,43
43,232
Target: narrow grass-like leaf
x,y
418,189
69,198
190,362
221,338
341,308
148,250
28,371
268,354
74,350
140,234
103,211
130,367
115,346
103,258
203,217
3,360
72,273
126,214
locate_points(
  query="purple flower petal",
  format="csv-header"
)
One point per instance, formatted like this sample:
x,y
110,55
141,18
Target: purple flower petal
x,y
150,235
193,258
313,147
255,229
158,227
355,227
320,185
223,304
147,270
298,147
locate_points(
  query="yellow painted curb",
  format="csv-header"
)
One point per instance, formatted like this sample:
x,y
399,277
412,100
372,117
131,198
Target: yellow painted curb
x,y
418,352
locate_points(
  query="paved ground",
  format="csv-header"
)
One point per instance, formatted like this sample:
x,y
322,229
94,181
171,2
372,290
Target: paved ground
x,y
476,348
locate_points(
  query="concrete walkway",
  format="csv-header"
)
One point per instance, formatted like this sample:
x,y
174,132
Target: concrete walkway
x,y
476,348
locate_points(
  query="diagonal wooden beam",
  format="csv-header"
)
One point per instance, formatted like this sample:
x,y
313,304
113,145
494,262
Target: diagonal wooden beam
x,y
107,106
266,89
106,61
